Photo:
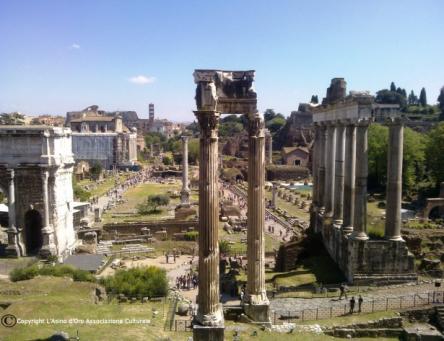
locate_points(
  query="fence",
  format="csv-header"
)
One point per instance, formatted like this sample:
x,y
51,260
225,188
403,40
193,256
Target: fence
x,y
368,306
340,309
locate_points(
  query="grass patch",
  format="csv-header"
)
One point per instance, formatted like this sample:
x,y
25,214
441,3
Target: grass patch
x,y
137,195
61,298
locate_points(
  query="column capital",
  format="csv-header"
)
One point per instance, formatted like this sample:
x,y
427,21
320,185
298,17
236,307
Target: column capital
x,y
394,121
363,122
208,122
11,172
185,138
256,125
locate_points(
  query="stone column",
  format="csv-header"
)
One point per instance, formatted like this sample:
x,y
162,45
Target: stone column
x,y
330,157
185,193
274,194
13,249
360,222
270,148
339,176
315,166
321,168
394,180
48,247
256,302
209,312
349,181
151,150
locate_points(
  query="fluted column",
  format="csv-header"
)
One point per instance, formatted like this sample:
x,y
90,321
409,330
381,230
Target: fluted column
x,y
256,293
12,249
360,222
209,312
48,247
330,157
321,168
394,180
185,193
274,194
349,179
315,166
339,175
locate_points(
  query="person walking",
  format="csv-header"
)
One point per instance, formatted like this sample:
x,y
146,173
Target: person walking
x,y
360,300
343,291
352,305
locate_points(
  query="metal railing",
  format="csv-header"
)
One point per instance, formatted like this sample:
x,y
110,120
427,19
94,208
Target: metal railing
x,y
338,309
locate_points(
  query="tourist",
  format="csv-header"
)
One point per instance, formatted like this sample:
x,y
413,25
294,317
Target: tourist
x,y
352,305
360,300
343,291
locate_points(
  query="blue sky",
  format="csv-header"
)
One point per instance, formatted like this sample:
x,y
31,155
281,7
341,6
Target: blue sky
x,y
64,55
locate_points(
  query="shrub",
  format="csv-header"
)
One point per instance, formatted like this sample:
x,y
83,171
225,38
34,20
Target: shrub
x,y
191,235
148,281
375,233
22,274
224,246
152,203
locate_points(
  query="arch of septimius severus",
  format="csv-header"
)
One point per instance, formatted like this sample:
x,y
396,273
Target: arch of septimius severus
x,y
36,165
228,92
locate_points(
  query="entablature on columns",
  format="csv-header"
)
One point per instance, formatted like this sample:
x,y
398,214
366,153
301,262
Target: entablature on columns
x,y
228,92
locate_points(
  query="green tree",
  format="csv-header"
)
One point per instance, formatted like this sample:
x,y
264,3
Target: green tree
x,y
224,247
413,162
154,138
412,99
377,155
434,153
390,97
441,103
148,281
96,170
193,151
152,204
269,114
167,160
423,97
276,123
392,87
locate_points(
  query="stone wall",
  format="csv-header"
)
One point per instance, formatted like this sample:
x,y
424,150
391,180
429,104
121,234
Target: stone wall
x,y
284,172
368,261
127,229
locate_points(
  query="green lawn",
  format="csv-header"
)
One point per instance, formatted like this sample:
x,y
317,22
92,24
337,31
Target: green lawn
x,y
101,188
136,195
61,298
375,225
289,207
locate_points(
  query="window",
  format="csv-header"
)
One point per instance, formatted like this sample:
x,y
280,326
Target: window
x,y
297,162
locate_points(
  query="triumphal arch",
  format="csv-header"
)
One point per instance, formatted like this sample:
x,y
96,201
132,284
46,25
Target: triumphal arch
x,y
36,165
228,92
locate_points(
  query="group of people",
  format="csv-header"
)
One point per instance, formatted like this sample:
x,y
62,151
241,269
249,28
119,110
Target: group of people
x,y
343,293
188,281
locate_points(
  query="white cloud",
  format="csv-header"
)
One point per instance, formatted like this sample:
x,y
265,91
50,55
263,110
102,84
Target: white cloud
x,y
142,80
74,46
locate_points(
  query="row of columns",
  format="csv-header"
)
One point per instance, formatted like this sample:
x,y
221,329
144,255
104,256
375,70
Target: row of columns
x,y
209,311
340,171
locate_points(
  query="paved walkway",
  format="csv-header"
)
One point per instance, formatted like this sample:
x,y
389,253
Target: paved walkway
x,y
392,293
